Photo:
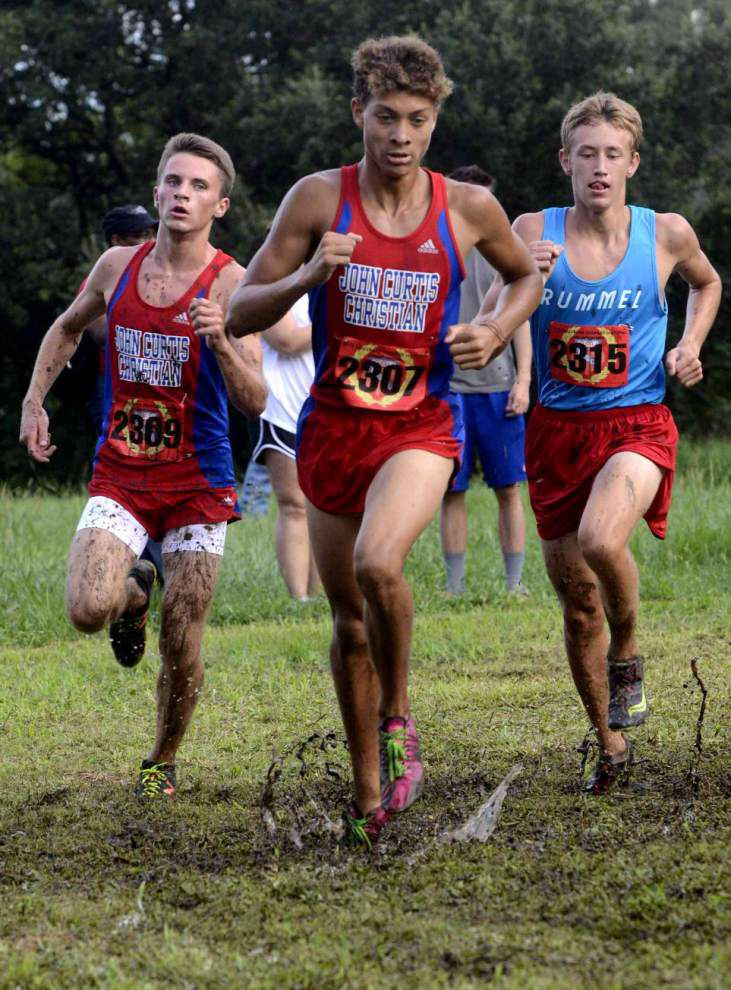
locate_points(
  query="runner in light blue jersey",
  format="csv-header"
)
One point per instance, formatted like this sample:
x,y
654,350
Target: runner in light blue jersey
x,y
600,450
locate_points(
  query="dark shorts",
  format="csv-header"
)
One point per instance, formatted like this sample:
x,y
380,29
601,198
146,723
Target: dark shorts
x,y
496,439
160,512
565,451
341,450
273,437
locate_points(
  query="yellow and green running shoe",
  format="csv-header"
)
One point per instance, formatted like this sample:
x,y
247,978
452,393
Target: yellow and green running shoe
x,y
628,705
127,633
155,780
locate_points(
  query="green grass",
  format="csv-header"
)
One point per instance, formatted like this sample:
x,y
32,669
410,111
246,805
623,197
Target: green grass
x,y
629,891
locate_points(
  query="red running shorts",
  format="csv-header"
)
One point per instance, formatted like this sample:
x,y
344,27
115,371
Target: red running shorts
x,y
160,512
340,450
565,450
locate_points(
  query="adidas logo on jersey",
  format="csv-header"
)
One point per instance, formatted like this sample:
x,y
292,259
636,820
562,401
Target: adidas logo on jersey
x,y
428,247
181,318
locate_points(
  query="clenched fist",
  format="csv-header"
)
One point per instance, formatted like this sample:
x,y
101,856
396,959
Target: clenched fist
x,y
207,319
683,363
474,344
333,250
545,254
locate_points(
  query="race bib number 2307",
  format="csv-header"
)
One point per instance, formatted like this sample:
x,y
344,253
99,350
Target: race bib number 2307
x,y
596,357
380,376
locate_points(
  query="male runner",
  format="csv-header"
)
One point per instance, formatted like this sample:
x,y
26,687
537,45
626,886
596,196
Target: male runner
x,y
493,400
163,465
380,244
601,445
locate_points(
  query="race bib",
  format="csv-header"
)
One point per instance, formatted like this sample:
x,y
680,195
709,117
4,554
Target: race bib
x,y
379,376
597,357
147,428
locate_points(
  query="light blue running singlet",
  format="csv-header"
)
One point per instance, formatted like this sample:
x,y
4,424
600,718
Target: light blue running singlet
x,y
600,344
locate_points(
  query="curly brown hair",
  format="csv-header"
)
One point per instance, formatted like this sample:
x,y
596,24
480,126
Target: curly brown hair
x,y
404,63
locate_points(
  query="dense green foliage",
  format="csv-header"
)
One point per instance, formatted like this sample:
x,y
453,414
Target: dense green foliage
x,y
90,90
629,891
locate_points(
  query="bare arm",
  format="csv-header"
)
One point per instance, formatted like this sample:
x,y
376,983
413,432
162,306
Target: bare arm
x,y
513,296
57,348
239,360
280,271
519,397
288,336
678,239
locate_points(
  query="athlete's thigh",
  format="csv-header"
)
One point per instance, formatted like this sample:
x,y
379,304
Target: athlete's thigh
x,y
283,474
333,541
401,502
190,581
573,580
621,494
98,564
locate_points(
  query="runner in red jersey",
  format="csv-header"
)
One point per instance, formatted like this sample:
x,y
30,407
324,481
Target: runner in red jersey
x,y
163,464
380,247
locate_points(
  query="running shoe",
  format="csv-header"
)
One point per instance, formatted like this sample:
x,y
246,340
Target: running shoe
x,y
127,633
628,705
361,831
155,779
610,770
402,773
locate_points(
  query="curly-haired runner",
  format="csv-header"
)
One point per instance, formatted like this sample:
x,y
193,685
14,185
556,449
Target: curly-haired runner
x,y
381,245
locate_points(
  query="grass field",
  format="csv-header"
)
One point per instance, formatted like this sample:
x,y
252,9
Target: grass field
x,y
570,891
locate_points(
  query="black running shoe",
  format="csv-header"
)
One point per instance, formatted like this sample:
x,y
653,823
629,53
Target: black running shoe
x,y
628,704
611,770
127,633
155,780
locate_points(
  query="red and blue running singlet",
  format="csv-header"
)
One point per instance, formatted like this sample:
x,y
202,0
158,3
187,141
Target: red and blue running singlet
x,y
165,425
378,323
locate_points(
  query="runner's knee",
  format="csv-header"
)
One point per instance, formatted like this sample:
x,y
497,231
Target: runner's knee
x,y
599,547
349,634
87,615
377,573
507,494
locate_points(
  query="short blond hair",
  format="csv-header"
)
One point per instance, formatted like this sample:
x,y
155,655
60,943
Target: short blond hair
x,y
405,63
196,144
603,106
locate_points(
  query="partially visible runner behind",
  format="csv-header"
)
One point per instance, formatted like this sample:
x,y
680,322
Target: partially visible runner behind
x,y
601,445
379,246
289,369
493,400
163,465
123,226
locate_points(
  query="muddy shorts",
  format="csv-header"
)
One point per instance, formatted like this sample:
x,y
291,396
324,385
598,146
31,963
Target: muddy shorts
x,y
566,450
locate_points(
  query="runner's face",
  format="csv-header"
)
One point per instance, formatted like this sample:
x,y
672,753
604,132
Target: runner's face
x,y
189,195
397,128
599,162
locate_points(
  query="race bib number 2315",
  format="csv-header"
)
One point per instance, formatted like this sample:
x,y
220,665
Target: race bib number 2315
x,y
596,357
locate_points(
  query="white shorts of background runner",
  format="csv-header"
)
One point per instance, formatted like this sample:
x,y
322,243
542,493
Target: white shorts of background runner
x,y
104,513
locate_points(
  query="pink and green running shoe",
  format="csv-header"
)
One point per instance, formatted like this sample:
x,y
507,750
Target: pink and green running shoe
x,y
362,831
402,773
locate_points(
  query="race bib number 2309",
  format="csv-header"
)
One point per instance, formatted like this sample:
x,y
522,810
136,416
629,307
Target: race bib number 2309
x,y
147,429
596,357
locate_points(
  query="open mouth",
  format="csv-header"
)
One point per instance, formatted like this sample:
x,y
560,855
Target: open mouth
x,y
598,186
